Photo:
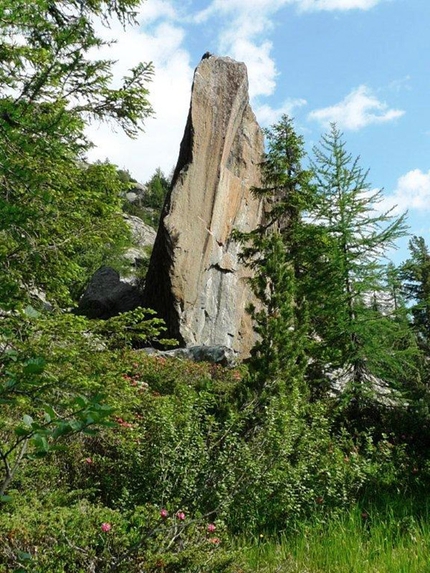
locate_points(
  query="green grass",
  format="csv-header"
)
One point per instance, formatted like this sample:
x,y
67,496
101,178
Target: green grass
x,y
394,538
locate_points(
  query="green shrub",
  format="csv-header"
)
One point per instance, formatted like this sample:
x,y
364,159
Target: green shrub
x,y
193,446
85,537
181,436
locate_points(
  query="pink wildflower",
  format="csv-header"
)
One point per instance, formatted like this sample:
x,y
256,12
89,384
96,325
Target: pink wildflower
x,y
215,540
164,513
105,527
180,515
210,528
88,460
123,423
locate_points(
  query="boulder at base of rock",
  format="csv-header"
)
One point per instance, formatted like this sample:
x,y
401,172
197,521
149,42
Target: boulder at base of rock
x,y
106,295
213,354
195,281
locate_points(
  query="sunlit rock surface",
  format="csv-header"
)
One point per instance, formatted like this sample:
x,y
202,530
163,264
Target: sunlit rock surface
x,y
195,280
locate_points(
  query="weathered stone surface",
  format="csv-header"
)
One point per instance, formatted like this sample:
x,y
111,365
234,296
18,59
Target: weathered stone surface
x,y
106,295
195,281
136,193
212,354
143,238
142,234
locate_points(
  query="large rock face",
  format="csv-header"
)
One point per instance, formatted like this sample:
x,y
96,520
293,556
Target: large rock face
x,y
195,281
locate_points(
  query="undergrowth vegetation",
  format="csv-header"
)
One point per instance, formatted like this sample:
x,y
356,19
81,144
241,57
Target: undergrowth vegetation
x,y
388,535
181,463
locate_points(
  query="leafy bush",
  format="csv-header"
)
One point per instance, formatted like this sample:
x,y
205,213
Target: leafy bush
x,y
178,435
85,537
54,375
192,446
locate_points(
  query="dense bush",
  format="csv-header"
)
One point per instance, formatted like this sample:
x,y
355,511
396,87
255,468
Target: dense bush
x,y
179,436
87,537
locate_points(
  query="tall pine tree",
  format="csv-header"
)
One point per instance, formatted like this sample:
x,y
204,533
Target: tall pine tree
x,y
272,252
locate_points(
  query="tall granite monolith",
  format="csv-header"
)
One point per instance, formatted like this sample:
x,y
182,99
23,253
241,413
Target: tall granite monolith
x,y
195,280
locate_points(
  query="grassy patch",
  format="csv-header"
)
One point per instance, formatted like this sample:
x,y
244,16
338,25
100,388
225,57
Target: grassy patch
x,y
380,539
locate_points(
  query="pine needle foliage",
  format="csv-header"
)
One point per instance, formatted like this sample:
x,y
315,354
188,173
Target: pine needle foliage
x,y
271,251
52,87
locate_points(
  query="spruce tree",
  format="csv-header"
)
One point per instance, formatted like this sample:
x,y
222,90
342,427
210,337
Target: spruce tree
x,y
278,357
285,189
272,252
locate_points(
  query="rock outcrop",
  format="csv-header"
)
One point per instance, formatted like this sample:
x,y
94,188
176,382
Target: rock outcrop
x,y
106,295
143,238
195,280
213,354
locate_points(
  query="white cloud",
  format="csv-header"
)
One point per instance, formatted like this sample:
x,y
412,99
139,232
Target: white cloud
x,y
253,7
412,193
156,10
261,67
245,28
243,35
267,115
359,109
160,41
270,6
315,5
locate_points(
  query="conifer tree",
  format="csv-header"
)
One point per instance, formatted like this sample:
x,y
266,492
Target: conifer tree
x,y
284,188
415,275
355,335
272,252
156,191
278,357
52,86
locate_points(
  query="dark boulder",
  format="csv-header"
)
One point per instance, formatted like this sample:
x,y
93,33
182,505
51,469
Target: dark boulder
x,y
106,295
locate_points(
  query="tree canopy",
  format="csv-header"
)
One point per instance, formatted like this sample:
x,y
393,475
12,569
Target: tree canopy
x,y
52,204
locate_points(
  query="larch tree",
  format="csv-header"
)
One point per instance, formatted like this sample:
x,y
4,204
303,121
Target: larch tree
x,y
355,336
415,285
415,273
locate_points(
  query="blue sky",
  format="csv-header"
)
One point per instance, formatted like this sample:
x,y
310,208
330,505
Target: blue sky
x,y
364,64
